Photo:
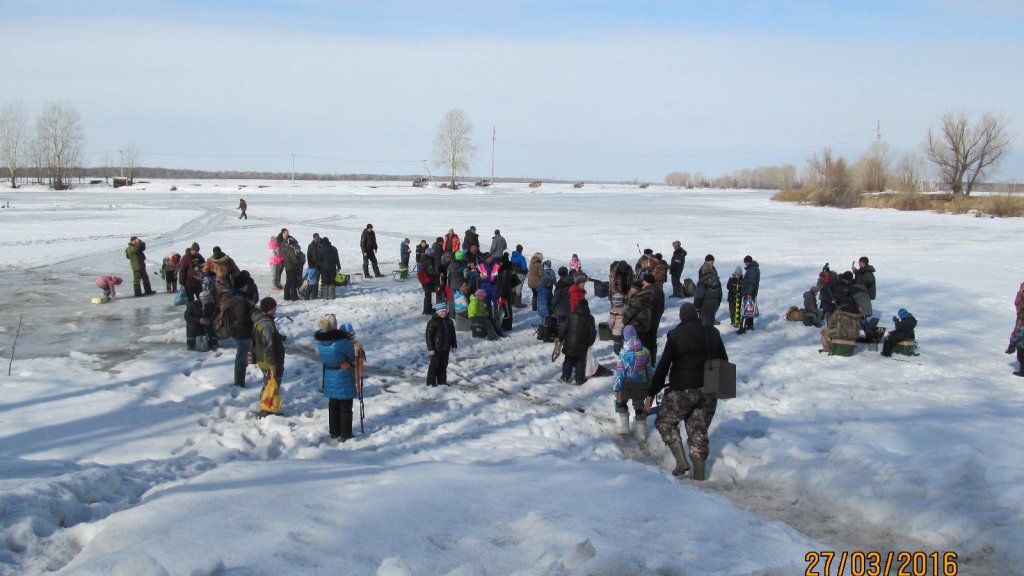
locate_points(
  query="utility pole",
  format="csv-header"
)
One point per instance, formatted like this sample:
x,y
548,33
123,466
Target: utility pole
x,y
122,163
293,168
494,136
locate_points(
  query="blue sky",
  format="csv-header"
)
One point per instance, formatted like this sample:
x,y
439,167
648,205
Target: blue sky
x,y
574,89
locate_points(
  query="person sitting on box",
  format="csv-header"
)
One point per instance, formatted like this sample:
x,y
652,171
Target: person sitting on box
x,y
844,324
904,330
479,316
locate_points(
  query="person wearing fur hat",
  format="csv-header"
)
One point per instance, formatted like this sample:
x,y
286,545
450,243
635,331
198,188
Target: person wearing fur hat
x,y
633,371
343,360
268,345
687,346
577,335
707,296
328,263
543,294
535,268
107,284
136,255
441,342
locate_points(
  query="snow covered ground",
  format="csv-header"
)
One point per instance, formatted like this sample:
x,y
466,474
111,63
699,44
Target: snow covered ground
x,y
123,453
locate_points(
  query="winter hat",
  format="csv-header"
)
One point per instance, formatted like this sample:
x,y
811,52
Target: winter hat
x,y
348,329
217,253
546,264
473,228
709,258
195,246
441,307
847,276
329,322
480,293
563,271
617,299
902,313
687,312
267,304
747,259
649,278
497,232
459,256
738,271
629,331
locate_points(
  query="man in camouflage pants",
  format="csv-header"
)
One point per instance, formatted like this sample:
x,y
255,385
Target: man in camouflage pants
x,y
688,345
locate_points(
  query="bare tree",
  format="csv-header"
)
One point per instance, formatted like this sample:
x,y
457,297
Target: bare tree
x,y
59,134
873,167
13,131
130,161
105,163
910,173
963,152
819,169
453,148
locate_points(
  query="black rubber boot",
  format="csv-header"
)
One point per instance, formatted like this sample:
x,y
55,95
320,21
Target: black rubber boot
x,y
698,470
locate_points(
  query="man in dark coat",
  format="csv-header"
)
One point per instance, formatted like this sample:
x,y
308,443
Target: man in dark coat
x,y
905,323
470,238
312,262
687,346
136,255
294,260
441,341
577,336
639,312
329,264
368,246
675,268
707,295
239,314
751,283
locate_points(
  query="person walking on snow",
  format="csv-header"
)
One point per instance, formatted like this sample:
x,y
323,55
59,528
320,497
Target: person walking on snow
x,y
243,207
633,371
343,360
688,345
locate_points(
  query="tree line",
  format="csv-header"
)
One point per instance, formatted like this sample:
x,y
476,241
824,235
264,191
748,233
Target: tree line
x,y
962,154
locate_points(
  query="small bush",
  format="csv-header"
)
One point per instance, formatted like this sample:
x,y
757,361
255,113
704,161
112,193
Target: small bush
x,y
1001,205
800,195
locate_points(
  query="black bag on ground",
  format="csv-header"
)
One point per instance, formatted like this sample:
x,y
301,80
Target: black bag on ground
x,y
688,288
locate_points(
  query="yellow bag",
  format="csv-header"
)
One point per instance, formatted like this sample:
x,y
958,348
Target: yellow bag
x,y
270,398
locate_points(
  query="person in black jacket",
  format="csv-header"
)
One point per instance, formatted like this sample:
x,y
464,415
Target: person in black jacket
x,y
749,286
441,341
328,263
675,268
294,260
707,296
470,238
905,323
577,335
239,316
368,246
688,345
560,297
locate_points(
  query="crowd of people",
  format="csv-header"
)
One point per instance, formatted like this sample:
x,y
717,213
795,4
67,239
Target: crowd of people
x,y
463,282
